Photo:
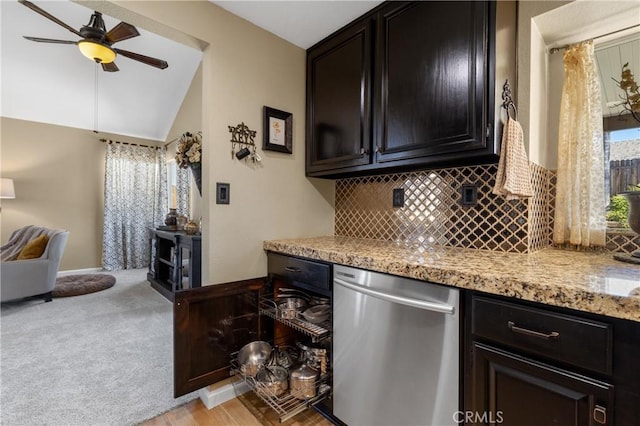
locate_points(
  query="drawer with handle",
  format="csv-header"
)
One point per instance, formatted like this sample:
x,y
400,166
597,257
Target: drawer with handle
x,y
565,338
306,272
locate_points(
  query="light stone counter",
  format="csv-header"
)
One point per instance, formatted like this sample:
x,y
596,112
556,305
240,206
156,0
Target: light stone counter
x,y
590,282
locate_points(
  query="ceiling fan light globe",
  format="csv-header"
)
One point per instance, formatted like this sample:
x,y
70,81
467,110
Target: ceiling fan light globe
x,y
96,51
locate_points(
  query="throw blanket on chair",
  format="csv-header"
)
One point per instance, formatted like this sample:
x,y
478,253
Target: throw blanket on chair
x,y
20,238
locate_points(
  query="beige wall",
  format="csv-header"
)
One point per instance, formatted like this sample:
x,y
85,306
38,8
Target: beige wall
x,y
58,174
532,82
244,68
189,119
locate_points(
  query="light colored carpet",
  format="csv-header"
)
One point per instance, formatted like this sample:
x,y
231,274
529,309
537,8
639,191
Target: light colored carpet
x,y
104,358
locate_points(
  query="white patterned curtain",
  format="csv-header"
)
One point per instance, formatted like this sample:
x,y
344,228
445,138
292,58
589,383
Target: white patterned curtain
x,y
135,199
580,204
183,190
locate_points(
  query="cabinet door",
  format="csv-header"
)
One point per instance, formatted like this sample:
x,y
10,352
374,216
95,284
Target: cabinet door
x,y
209,324
430,93
338,100
512,390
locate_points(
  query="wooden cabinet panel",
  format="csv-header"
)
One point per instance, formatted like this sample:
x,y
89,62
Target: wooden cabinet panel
x,y
568,339
338,100
210,323
408,86
516,391
430,88
309,274
586,375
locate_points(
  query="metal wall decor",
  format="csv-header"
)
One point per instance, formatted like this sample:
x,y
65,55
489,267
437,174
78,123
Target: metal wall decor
x,y
242,142
507,99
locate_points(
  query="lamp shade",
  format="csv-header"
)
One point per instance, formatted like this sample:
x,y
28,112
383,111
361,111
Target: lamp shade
x,y
100,53
6,188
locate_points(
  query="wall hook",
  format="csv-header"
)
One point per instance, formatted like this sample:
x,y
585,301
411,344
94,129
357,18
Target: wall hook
x,y
242,142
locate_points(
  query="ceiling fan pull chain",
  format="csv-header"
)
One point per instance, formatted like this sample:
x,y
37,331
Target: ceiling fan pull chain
x,y
95,100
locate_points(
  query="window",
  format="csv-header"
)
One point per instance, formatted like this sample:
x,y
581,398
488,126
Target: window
x,y
623,171
621,130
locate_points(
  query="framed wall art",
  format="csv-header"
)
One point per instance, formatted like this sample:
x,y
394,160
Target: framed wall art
x,y
277,130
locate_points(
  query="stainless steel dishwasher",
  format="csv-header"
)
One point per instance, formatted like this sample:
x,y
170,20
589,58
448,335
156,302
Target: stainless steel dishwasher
x,y
396,357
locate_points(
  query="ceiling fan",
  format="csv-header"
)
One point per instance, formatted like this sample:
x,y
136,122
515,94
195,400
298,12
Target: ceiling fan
x,y
96,43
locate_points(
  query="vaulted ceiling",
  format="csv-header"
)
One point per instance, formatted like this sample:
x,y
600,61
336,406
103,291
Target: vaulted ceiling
x,y
56,84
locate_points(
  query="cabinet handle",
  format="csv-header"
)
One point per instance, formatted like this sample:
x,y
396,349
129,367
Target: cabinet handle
x,y
291,269
600,415
364,151
554,335
379,149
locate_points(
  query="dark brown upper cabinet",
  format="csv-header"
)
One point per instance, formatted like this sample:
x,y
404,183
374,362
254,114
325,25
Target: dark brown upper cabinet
x,y
338,100
432,96
430,88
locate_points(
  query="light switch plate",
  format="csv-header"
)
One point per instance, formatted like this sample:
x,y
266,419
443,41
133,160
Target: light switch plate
x,y
223,193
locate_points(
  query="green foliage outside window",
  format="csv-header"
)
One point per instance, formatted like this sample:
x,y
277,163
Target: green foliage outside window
x,y
618,210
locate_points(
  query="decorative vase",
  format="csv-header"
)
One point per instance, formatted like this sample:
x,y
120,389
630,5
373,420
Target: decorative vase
x,y
196,170
181,221
191,228
633,197
171,219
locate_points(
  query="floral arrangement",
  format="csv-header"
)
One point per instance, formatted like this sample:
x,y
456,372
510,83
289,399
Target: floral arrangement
x,y
189,150
631,98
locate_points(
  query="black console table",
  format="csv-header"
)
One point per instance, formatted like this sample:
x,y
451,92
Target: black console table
x,y
175,261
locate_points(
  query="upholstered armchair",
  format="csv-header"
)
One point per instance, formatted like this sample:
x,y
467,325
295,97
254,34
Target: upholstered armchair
x,y
33,277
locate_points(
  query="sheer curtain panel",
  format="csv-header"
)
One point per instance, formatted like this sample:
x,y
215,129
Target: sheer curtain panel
x,y
183,190
580,204
135,199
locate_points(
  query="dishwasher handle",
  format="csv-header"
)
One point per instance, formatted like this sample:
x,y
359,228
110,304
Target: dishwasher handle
x,y
416,303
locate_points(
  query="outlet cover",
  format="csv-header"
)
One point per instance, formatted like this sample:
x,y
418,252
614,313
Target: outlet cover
x,y
398,197
469,195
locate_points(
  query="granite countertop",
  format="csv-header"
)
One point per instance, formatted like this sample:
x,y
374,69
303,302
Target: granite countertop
x,y
590,282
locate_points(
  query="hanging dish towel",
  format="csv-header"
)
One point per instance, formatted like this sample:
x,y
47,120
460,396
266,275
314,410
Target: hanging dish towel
x,y
513,180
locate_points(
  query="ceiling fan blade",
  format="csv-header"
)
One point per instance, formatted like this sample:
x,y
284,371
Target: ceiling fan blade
x,y
158,63
122,31
50,40
49,16
110,67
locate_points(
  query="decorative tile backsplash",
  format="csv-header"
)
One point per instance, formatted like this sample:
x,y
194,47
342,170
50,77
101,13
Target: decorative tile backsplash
x,y
623,242
432,213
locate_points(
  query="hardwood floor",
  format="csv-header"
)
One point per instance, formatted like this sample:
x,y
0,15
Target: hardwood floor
x,y
245,410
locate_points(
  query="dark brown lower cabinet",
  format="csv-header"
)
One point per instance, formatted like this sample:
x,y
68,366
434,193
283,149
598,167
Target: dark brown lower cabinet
x,y
214,322
512,390
211,323
533,364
